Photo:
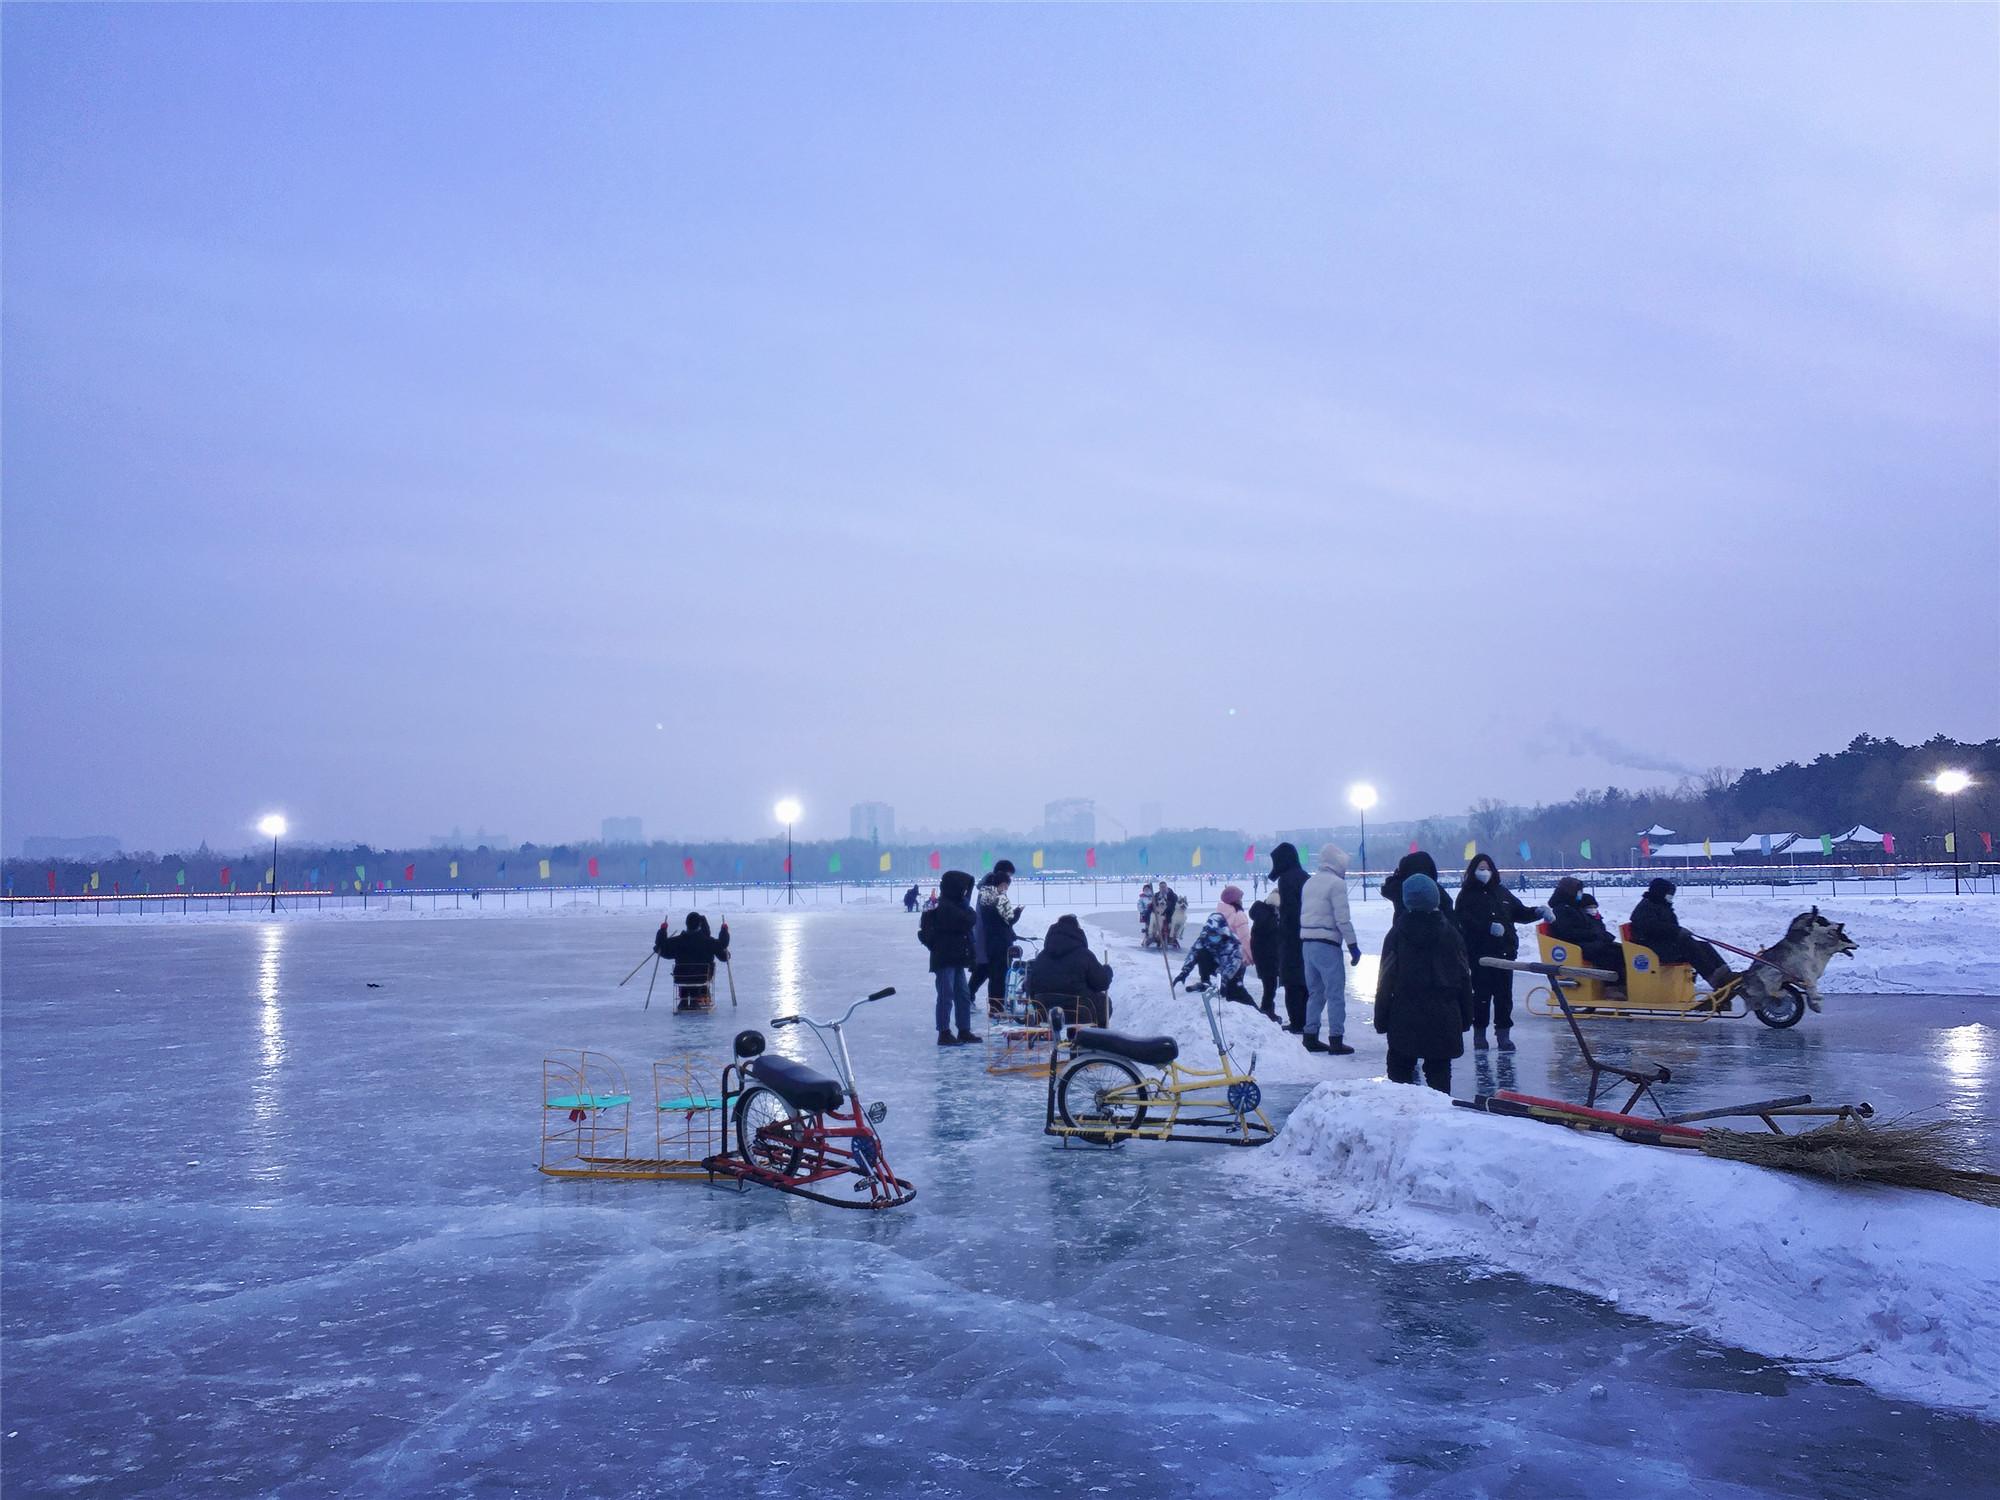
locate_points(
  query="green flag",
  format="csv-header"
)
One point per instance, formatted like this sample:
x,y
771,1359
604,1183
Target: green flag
x,y
1585,851
985,859
361,872
1826,843
833,864
181,878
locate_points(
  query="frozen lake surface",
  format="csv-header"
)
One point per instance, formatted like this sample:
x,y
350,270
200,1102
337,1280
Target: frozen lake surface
x,y
269,1230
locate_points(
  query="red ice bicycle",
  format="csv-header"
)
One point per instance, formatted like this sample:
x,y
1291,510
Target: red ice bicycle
x,y
793,1129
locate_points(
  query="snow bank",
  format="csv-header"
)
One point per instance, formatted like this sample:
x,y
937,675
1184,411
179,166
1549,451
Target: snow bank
x,y
1895,1288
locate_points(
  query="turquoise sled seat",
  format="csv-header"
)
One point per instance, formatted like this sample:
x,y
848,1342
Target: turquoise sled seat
x,y
588,1101
690,1104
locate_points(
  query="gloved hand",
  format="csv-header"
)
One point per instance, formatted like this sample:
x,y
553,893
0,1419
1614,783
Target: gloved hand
x,y
1495,929
1548,912
1353,954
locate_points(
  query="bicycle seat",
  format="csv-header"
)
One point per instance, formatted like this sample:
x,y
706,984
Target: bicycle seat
x,y
798,1085
1154,1051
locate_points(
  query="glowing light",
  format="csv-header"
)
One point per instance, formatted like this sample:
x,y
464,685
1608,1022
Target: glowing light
x,y
272,825
787,811
1362,796
1951,783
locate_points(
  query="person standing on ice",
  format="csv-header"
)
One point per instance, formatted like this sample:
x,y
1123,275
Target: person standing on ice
x,y
1486,913
1416,862
946,930
1265,947
1423,996
1325,927
1655,926
993,939
910,899
1289,878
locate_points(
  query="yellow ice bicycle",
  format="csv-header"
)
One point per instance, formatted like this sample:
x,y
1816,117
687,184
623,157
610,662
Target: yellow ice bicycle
x,y
1111,1087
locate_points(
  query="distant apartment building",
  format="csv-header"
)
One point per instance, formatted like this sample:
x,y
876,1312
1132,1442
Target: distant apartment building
x,y
624,831
1072,818
874,821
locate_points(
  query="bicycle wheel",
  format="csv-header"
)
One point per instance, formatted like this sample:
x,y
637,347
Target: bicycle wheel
x,y
1101,1091
768,1131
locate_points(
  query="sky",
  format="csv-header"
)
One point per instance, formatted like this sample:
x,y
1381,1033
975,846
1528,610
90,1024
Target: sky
x,y
433,416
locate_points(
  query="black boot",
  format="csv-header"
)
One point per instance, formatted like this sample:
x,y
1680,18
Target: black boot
x,y
1314,1044
946,1039
1479,1039
1506,1038
965,1038
1338,1047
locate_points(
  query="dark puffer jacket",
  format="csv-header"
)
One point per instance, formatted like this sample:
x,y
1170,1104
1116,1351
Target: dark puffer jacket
x,y
1265,941
946,929
1570,923
1480,906
1066,966
1655,924
1423,995
1414,863
694,951
1290,877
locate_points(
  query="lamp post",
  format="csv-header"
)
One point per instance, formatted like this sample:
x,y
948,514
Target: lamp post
x,y
273,824
1361,796
1949,784
787,812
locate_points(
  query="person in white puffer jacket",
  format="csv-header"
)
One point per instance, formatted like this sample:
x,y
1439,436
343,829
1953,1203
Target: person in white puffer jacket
x,y
1325,927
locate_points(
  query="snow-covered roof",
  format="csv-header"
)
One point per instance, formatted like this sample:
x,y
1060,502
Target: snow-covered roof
x,y
1765,843
1656,832
1860,833
1681,851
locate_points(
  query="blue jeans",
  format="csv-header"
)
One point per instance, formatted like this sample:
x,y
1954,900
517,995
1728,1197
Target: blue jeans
x,y
1326,988
953,993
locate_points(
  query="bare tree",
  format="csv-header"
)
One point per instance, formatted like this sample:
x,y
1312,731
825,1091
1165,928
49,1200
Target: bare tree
x,y
1488,818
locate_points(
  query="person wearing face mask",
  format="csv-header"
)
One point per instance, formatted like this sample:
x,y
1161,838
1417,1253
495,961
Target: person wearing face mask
x,y
1486,912
1575,919
1655,925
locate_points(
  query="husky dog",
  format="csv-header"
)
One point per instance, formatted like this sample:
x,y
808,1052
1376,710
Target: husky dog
x,y
1803,953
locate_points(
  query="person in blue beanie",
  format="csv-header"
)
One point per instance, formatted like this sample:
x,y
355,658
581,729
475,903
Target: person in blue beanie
x,y
1423,995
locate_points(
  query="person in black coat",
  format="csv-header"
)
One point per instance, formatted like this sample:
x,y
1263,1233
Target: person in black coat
x,y
1067,974
1486,913
946,930
1582,927
1423,994
694,952
1416,862
1289,876
1265,945
1655,925
910,899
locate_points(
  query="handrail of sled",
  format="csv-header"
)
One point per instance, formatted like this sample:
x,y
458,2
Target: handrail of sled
x,y
1550,971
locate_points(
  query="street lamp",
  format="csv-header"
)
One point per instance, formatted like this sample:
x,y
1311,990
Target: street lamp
x,y
1361,796
1949,784
787,812
272,825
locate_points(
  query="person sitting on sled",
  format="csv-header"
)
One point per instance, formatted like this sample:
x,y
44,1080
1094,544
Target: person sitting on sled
x,y
1146,910
1068,976
1655,925
694,952
1575,919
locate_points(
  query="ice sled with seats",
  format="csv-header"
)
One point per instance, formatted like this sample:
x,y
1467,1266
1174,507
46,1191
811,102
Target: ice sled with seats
x,y
587,1118
1653,989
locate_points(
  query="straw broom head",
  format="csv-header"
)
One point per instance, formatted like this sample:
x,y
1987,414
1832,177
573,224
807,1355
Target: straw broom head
x,y
1939,1156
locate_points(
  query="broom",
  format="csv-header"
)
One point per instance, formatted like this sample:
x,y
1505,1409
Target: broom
x,y
1935,1155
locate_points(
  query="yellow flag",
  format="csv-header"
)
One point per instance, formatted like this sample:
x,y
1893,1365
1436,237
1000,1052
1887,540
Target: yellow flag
x,y
1197,857
545,869
454,869
1706,852
885,860
1036,859
93,880
1471,848
1950,847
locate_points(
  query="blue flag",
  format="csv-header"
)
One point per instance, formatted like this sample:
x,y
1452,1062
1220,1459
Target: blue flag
x,y
642,869
1527,856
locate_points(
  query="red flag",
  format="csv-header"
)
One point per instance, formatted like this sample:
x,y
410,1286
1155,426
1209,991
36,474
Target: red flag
x,y
1888,843
409,873
222,880
1413,846
687,867
117,889
593,867
1645,847
1987,840
52,880
1250,855
935,863
1089,858
788,864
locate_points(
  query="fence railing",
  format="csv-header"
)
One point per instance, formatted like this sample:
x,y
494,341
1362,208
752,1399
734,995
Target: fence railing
x,y
1029,889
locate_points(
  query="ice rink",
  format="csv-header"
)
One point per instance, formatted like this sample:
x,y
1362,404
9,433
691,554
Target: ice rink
x,y
273,1227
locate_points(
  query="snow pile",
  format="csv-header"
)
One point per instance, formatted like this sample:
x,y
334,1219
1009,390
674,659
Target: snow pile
x,y
1896,1288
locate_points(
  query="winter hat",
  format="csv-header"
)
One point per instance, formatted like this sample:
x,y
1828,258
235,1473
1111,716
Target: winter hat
x,y
1333,859
1662,888
1233,894
1420,893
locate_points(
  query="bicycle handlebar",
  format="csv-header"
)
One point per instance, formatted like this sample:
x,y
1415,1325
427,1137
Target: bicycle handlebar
x,y
881,994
